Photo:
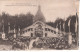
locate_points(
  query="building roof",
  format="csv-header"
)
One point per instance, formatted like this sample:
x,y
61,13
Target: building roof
x,y
32,26
41,23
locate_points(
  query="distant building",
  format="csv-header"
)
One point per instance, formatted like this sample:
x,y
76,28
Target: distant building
x,y
39,16
39,28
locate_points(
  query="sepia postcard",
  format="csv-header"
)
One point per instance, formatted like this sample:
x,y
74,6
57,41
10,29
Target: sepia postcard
x,y
39,24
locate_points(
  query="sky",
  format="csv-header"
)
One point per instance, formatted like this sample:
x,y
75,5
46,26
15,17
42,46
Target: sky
x,y
51,9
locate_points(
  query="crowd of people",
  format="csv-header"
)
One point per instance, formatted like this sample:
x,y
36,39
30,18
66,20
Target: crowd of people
x,y
49,43
53,43
20,43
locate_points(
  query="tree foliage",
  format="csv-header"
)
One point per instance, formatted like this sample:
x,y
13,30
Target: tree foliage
x,y
60,22
19,21
25,20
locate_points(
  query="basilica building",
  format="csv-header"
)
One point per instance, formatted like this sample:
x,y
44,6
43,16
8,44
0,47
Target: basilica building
x,y
39,28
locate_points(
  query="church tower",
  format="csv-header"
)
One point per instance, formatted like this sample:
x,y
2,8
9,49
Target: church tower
x,y
39,15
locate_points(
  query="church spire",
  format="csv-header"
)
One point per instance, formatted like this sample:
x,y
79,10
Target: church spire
x,y
39,15
39,8
76,11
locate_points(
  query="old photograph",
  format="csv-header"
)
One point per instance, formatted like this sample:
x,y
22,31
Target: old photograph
x,y
39,24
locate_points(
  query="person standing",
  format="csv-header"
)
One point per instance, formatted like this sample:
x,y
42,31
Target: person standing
x,y
28,41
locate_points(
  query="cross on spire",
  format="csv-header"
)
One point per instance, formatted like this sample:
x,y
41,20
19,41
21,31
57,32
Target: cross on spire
x,y
39,7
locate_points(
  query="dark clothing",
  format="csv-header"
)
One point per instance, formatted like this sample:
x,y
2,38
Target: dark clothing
x,y
28,44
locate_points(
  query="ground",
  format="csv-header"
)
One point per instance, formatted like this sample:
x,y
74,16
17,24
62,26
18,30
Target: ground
x,y
5,45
